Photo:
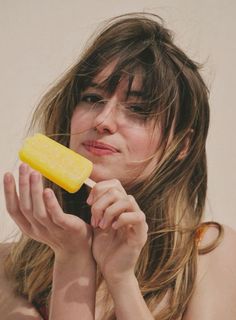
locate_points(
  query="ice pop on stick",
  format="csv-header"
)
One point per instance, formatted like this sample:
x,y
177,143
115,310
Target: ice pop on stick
x,y
56,162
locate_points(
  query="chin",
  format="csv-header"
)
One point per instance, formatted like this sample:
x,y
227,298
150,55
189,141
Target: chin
x,y
103,176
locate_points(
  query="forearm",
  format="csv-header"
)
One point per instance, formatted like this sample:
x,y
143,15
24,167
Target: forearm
x,y
73,290
128,300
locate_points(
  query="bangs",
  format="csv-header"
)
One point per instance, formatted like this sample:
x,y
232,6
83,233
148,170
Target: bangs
x,y
159,88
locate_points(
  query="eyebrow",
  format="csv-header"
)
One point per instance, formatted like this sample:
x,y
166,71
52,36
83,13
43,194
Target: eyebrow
x,y
132,93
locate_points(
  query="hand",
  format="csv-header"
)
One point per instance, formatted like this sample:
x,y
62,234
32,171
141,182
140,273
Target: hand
x,y
120,229
38,214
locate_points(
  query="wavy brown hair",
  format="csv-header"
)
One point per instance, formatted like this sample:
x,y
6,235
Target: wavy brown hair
x,y
173,196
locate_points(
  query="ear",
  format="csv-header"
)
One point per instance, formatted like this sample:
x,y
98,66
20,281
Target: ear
x,y
186,145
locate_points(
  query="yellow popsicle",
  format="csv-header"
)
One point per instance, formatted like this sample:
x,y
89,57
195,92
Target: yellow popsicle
x,y
56,162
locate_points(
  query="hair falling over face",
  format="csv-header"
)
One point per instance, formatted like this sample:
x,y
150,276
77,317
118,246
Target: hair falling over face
x,y
173,196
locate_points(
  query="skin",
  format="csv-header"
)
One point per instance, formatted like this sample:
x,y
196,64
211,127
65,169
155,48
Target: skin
x,y
120,220
118,229
39,216
133,140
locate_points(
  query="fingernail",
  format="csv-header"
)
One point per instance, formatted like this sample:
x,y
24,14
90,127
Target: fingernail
x,y
102,223
7,178
90,199
48,193
114,225
23,168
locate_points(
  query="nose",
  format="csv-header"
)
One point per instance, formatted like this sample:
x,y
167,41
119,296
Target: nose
x,y
105,120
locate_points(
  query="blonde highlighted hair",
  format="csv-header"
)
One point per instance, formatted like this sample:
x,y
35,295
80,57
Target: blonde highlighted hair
x,y
173,196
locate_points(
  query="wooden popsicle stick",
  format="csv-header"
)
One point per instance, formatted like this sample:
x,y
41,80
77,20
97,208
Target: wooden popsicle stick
x,y
89,182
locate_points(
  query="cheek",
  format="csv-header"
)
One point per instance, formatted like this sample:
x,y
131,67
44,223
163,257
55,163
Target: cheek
x,y
78,125
145,143
80,121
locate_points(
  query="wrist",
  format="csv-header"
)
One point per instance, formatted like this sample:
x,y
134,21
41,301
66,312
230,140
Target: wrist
x,y
76,263
65,257
77,270
122,282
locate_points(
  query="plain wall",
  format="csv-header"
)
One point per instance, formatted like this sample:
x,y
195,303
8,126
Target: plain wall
x,y
40,39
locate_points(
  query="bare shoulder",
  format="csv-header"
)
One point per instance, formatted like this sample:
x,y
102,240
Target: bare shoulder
x,y
224,255
11,306
215,292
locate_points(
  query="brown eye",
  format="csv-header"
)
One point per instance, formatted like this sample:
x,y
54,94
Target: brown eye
x,y
137,109
91,98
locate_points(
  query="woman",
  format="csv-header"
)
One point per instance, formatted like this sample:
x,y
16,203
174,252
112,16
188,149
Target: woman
x,y
130,248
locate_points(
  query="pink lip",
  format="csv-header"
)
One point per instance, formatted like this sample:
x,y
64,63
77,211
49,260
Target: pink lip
x,y
99,148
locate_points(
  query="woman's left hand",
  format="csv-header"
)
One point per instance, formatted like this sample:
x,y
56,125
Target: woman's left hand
x,y
120,229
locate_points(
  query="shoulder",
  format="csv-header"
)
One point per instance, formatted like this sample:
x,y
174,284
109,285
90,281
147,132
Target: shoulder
x,y
224,254
11,306
215,291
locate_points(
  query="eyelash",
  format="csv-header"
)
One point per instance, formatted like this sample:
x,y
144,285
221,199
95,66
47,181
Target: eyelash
x,y
132,109
91,98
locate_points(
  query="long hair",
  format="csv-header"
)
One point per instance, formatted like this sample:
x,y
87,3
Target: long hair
x,y
173,196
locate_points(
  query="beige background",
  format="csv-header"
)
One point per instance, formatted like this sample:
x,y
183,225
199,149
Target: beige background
x,y
40,39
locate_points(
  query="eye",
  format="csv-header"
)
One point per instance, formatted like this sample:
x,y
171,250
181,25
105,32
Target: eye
x,y
91,98
138,110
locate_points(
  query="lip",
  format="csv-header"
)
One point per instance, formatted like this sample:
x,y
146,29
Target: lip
x,y
99,148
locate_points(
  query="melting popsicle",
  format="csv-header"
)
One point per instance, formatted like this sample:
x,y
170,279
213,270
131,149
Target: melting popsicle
x,y
56,162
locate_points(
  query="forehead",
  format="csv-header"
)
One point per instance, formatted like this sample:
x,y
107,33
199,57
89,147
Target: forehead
x,y
131,80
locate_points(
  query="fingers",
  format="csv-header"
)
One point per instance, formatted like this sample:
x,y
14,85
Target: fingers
x,y
110,204
112,212
27,209
135,226
136,219
36,194
38,214
102,188
54,210
57,216
24,188
12,203
30,197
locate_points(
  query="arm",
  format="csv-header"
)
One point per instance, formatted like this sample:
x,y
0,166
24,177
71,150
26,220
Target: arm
x,y
39,215
215,294
120,232
73,290
128,300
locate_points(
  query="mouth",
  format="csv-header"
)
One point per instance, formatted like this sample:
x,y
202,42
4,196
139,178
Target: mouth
x,y
99,148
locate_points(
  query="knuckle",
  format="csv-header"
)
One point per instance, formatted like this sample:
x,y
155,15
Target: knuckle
x,y
131,198
58,220
23,183
12,211
25,230
43,218
116,182
113,192
108,214
25,209
96,209
141,217
51,206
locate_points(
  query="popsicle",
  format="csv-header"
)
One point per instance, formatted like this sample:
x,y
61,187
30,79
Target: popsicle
x,y
56,162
